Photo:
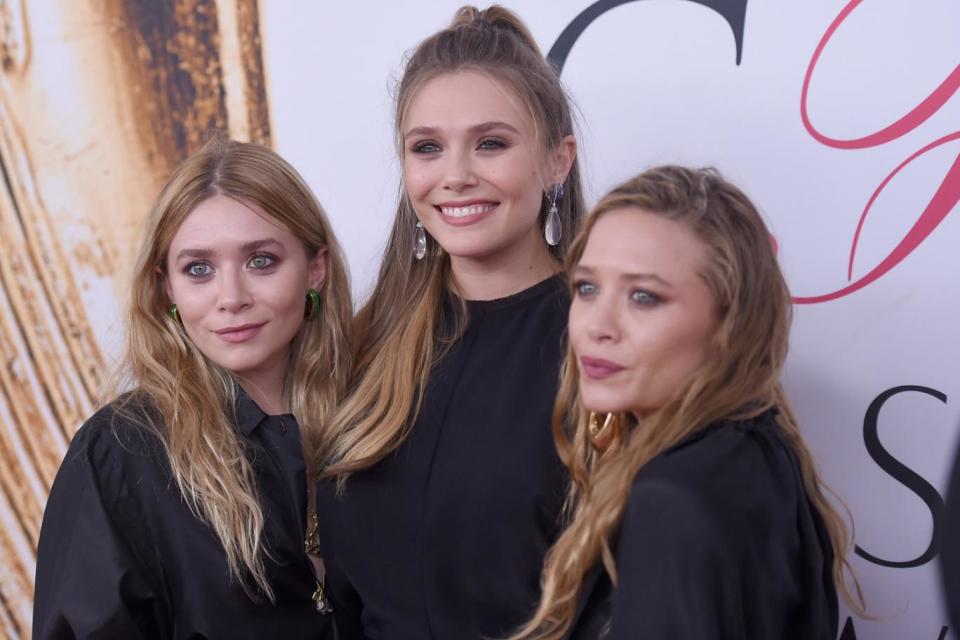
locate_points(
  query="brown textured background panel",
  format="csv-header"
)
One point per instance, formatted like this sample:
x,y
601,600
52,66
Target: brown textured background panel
x,y
99,101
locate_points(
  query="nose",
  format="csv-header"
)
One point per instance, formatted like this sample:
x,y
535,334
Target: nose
x,y
234,295
458,171
603,319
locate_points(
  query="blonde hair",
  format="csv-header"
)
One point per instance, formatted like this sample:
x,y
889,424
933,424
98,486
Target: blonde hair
x,y
189,399
739,380
397,332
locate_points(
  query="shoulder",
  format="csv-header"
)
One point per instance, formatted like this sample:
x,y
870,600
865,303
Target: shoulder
x,y
716,483
122,433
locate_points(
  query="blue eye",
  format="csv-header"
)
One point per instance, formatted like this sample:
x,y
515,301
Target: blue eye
x,y
262,261
425,147
584,289
491,144
198,269
643,298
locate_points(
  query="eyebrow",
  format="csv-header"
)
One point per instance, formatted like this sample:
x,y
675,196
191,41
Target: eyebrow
x,y
483,127
630,277
246,247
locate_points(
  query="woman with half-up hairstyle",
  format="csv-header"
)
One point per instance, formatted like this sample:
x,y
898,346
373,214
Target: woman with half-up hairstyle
x,y
696,509
443,490
180,510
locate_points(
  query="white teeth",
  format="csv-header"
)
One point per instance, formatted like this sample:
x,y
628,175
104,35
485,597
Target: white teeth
x,y
462,212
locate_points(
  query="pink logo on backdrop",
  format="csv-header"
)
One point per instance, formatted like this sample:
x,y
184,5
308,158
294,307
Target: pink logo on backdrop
x,y
944,199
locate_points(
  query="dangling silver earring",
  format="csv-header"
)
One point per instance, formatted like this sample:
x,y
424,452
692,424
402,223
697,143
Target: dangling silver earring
x,y
419,242
553,228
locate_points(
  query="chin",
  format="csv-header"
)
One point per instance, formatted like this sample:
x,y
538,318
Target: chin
x,y
602,401
238,365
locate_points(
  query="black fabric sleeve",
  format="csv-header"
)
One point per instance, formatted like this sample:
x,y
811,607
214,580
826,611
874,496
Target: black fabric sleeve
x,y
89,582
675,577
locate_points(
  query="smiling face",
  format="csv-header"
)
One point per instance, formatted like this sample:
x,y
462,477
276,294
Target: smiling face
x,y
642,316
472,167
239,280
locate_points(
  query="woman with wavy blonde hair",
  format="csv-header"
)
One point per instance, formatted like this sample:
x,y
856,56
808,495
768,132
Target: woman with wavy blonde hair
x,y
696,508
444,490
181,507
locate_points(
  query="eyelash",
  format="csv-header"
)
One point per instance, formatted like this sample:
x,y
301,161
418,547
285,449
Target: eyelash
x,y
188,269
421,147
428,146
649,299
580,285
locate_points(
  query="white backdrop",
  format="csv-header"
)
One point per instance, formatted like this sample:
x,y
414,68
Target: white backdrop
x,y
657,81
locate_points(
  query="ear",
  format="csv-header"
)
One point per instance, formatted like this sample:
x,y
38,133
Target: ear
x,y
561,159
318,268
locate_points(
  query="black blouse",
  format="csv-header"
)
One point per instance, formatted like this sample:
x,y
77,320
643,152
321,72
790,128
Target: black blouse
x,y
718,541
445,538
121,556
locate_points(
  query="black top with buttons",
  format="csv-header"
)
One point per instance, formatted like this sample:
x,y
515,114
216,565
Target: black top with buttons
x,y
121,555
445,538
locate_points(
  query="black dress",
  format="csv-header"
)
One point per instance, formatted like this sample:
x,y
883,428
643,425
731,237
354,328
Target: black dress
x,y
445,538
121,556
718,541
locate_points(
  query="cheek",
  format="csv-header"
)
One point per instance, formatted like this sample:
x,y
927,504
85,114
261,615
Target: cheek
x,y
194,300
576,330
671,356
524,185
417,179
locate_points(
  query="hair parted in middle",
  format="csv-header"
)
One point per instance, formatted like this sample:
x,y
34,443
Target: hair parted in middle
x,y
397,333
189,398
740,379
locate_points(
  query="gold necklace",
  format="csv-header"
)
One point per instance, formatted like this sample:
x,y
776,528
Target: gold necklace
x,y
311,545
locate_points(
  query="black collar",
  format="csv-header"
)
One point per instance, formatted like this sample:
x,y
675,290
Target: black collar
x,y
248,413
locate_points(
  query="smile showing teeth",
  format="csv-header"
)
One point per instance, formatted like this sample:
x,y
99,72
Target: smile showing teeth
x,y
463,212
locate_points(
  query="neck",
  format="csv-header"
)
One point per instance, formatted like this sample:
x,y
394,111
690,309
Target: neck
x,y
265,387
506,273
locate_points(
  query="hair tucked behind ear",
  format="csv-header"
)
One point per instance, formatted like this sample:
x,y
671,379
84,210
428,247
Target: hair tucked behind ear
x,y
189,398
397,331
740,379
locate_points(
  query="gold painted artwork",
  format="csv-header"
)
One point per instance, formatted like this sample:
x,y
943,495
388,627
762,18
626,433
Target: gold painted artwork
x,y
99,101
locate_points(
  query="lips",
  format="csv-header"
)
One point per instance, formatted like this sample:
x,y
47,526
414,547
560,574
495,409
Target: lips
x,y
465,213
598,368
240,333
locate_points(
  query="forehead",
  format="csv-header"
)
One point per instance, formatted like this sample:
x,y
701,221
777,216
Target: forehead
x,y
221,220
632,240
465,98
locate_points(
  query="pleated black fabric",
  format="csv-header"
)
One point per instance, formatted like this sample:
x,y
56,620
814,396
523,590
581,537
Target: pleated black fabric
x,y
121,556
445,538
718,541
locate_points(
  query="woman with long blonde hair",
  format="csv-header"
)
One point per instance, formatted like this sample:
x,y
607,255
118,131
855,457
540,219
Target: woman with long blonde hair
x,y
697,511
180,510
444,490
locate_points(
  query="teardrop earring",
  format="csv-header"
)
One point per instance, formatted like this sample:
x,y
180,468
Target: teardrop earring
x,y
419,242
553,228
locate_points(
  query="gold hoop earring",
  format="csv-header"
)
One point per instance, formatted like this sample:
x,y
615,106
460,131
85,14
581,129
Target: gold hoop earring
x,y
602,436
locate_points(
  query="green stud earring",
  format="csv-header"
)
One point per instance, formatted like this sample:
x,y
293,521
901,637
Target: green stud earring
x,y
311,307
174,314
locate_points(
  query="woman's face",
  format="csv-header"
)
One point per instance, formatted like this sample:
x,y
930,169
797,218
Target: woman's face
x,y
642,316
239,280
472,166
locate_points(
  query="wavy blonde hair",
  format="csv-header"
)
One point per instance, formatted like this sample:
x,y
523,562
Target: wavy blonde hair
x,y
739,380
397,333
190,399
